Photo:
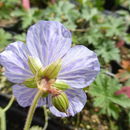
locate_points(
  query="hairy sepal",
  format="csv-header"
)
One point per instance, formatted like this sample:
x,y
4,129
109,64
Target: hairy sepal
x,y
30,83
61,85
35,65
52,70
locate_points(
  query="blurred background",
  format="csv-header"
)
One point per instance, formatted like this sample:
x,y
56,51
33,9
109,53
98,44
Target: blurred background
x,y
101,25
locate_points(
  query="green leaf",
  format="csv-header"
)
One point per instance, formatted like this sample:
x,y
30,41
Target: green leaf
x,y
63,11
5,38
89,13
121,100
20,37
108,52
27,17
103,90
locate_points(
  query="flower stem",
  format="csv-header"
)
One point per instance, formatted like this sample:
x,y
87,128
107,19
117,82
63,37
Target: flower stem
x,y
32,110
3,112
9,104
46,118
2,120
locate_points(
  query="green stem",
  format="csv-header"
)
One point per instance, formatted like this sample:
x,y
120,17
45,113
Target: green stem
x,y
78,120
3,121
32,110
46,118
9,104
3,116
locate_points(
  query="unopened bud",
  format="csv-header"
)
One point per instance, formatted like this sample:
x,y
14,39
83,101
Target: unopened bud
x,y
61,102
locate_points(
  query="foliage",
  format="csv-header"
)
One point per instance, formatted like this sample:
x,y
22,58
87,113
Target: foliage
x,y
27,17
6,7
5,38
102,32
103,90
93,26
108,52
64,12
20,37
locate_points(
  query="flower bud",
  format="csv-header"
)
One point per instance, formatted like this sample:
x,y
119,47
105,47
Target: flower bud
x,y
61,102
34,64
52,70
61,85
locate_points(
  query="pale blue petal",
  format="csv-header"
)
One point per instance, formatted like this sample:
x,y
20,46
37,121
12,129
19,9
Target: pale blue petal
x,y
15,61
48,40
80,67
25,95
77,100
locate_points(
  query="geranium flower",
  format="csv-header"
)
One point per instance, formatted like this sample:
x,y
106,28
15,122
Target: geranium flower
x,y
49,45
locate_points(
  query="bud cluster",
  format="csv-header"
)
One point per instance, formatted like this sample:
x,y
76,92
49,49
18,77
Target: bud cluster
x,y
45,80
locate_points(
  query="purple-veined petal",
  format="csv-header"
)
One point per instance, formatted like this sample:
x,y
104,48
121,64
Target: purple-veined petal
x,y
80,67
25,95
48,40
15,61
77,100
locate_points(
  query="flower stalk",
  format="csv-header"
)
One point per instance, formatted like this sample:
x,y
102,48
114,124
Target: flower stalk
x,y
9,104
32,110
46,118
3,114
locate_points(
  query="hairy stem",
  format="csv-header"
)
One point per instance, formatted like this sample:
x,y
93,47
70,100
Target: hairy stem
x,y
2,120
32,110
9,104
46,118
3,116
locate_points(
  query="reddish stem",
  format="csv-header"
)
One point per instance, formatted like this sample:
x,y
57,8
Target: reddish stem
x,y
26,4
53,1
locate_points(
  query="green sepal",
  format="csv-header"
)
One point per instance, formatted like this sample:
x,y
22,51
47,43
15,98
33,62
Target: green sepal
x,y
35,65
52,70
30,83
61,85
61,102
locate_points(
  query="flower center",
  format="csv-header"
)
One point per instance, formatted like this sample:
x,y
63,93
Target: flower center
x,y
45,78
46,86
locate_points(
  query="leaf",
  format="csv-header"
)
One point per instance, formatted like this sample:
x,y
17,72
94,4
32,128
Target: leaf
x,y
103,90
27,17
121,100
5,38
108,52
63,11
20,37
89,13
